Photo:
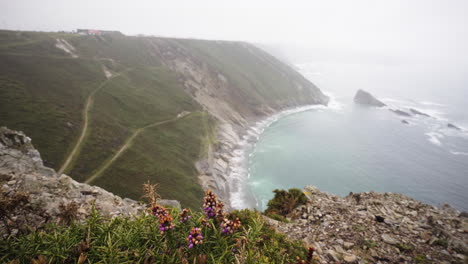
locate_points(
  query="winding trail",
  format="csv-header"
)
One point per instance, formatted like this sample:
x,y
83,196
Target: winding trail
x,y
84,130
127,143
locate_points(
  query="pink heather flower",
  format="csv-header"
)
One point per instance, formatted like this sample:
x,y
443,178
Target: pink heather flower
x,y
212,207
230,226
184,216
165,219
195,237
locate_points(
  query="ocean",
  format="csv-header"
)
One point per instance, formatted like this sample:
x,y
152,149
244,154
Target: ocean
x,y
347,148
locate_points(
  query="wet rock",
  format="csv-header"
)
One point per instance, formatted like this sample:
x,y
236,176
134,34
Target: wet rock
x,y
400,112
416,112
450,125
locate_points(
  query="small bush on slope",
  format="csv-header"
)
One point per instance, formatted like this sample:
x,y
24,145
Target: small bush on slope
x,y
285,201
143,240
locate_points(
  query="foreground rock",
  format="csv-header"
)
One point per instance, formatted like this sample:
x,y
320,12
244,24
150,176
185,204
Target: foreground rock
x,y
377,228
31,194
365,98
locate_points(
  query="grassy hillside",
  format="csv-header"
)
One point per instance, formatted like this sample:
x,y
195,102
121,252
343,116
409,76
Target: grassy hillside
x,y
122,86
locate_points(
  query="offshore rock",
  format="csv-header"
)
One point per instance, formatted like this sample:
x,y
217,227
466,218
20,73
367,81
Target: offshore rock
x,y
364,98
400,112
416,112
450,125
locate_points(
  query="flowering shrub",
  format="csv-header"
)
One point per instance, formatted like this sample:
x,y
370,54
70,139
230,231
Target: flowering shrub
x,y
165,219
144,239
184,216
230,226
212,207
195,237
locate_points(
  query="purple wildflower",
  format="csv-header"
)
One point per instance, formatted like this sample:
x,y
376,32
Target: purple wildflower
x,y
195,237
184,216
165,219
212,207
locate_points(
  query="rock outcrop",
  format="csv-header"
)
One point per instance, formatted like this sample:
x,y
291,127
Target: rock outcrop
x,y
400,112
452,126
416,112
32,194
377,228
365,98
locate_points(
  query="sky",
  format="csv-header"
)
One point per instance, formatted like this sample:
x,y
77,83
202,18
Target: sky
x,y
417,27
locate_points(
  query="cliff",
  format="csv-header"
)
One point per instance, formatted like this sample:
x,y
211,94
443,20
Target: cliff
x,y
112,110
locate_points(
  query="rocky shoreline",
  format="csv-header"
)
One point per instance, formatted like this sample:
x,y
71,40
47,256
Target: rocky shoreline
x,y
222,171
377,228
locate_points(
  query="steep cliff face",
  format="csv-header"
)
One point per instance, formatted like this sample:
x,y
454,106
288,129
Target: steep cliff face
x,y
115,109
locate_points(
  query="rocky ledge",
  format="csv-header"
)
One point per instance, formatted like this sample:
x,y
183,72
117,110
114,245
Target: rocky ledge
x,y
377,228
32,194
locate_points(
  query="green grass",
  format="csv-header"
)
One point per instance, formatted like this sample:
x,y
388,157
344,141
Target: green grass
x,y
43,97
137,98
124,240
162,154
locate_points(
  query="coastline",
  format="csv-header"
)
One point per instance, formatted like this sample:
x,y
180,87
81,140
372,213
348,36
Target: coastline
x,y
225,169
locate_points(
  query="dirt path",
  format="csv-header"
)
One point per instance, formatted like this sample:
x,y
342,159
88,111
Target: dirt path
x,y
89,103
127,144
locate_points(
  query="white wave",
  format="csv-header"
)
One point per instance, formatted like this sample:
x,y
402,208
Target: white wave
x,y
459,153
393,100
434,138
431,103
333,104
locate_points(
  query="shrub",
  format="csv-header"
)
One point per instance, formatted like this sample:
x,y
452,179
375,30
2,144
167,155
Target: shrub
x,y
285,201
196,239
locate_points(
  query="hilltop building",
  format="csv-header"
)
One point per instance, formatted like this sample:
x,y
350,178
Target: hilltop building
x,y
97,32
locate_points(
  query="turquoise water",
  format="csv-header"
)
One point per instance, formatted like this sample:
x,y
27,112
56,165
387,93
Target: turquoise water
x,y
354,149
